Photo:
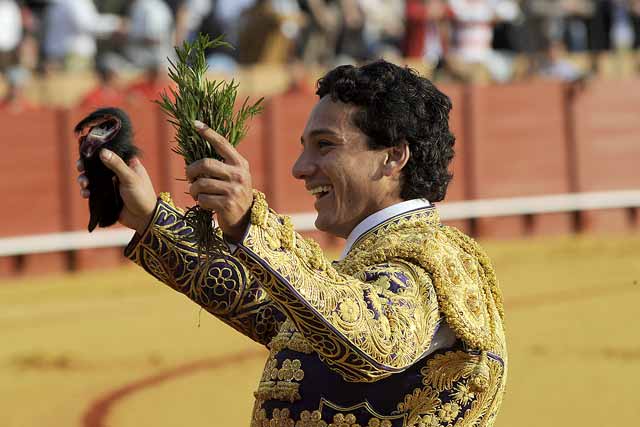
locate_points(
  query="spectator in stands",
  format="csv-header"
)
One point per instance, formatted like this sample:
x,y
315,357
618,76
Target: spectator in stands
x,y
317,41
556,66
71,30
109,91
577,15
350,44
10,35
15,100
383,26
472,35
427,30
150,36
180,13
267,32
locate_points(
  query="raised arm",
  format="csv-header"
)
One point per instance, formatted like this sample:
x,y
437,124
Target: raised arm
x,y
222,286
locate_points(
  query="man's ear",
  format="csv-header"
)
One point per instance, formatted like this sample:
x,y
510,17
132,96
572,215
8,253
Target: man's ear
x,y
396,158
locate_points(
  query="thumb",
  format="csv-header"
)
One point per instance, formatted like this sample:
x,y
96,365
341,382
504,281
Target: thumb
x,y
117,165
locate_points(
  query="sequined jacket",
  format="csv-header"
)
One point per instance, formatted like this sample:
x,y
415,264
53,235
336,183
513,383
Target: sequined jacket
x,y
348,342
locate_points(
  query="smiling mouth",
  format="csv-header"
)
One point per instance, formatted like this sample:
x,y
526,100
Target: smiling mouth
x,y
321,191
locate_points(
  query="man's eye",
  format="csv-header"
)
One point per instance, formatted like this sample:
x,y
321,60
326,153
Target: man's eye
x,y
324,143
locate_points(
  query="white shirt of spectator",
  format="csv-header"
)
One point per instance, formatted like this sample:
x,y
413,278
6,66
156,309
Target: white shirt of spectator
x,y
11,25
150,38
474,26
72,28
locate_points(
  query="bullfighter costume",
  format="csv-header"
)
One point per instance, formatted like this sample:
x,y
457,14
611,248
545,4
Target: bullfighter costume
x,y
405,330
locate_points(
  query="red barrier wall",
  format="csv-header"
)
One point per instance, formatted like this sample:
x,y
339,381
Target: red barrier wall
x,y
512,140
458,187
607,146
519,147
31,183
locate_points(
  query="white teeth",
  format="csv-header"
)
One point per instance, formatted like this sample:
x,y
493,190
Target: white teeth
x,y
320,189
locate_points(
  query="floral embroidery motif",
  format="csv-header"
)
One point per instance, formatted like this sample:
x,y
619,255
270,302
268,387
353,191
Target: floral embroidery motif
x,y
289,337
449,412
281,384
282,418
463,394
222,286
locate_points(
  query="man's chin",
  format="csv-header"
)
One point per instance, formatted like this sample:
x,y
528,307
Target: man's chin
x,y
328,227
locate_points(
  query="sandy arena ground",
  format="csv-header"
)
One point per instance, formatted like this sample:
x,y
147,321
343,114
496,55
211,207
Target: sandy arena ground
x,y
117,349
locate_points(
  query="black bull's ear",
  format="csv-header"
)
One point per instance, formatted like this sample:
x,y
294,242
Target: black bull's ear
x,y
104,128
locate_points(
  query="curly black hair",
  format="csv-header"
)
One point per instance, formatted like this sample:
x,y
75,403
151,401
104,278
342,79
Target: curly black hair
x,y
398,105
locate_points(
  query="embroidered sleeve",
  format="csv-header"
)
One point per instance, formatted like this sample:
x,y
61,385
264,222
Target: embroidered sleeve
x,y
365,326
221,286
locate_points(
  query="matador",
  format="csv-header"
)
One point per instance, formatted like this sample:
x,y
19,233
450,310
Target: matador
x,y
406,328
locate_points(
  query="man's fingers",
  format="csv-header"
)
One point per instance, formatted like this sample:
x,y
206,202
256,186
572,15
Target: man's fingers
x,y
212,202
80,165
85,194
117,165
211,168
220,144
83,181
209,186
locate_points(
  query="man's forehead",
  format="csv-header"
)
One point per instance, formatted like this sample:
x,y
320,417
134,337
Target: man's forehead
x,y
331,115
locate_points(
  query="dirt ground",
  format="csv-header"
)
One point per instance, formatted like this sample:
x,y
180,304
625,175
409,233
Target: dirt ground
x,y
118,349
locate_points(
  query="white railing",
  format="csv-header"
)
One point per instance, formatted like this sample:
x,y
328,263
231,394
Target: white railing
x,y
74,240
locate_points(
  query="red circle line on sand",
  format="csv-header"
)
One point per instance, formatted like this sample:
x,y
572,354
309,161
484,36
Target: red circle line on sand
x,y
97,413
99,409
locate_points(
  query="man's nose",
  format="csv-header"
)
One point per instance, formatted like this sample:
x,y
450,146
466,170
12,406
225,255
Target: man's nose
x,y
303,167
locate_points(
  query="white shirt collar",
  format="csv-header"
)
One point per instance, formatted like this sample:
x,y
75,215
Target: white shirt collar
x,y
379,217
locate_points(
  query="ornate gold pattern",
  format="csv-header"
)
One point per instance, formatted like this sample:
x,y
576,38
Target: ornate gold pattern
x,y
288,337
392,304
282,418
367,317
283,383
462,275
221,286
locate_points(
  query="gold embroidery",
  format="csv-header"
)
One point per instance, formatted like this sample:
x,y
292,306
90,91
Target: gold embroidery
x,y
290,338
222,286
421,402
448,412
281,384
344,309
282,417
311,419
452,373
467,298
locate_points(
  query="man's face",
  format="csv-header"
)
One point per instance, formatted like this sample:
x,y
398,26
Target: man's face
x,y
345,176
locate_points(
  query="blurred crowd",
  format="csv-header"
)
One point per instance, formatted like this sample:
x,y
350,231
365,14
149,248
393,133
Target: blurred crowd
x,y
456,38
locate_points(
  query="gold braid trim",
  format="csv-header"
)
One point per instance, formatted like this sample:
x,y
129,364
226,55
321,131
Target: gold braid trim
x,y
465,283
166,197
470,246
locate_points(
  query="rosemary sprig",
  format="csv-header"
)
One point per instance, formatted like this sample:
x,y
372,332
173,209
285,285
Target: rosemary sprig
x,y
211,102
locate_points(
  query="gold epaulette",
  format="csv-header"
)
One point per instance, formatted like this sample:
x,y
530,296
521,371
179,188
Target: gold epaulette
x,y
464,280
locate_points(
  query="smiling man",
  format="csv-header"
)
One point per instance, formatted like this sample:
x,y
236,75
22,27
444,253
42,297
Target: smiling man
x,y
406,329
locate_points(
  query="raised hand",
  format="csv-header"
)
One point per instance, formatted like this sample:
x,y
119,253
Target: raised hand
x,y
136,189
223,187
